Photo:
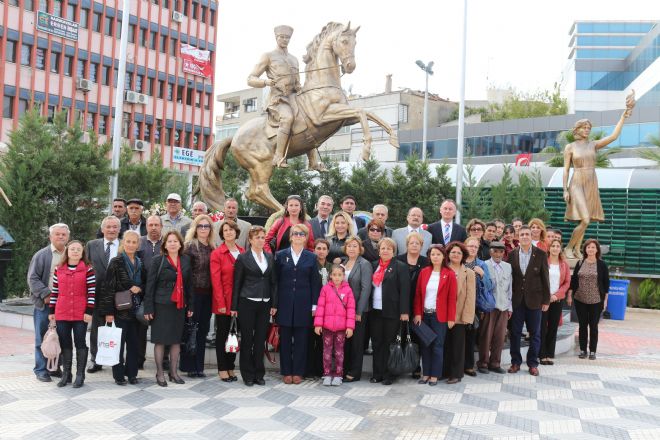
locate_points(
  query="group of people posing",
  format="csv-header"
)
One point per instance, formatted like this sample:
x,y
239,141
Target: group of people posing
x,y
328,285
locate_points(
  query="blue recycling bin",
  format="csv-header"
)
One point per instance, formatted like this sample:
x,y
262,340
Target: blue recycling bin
x,y
617,299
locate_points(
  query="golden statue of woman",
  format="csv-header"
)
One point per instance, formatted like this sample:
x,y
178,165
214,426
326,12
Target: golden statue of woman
x,y
581,193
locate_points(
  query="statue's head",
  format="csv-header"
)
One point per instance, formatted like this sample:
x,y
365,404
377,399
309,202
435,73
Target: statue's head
x,y
581,129
283,35
344,47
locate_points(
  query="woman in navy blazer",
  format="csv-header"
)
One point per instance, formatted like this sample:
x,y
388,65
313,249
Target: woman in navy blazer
x,y
298,291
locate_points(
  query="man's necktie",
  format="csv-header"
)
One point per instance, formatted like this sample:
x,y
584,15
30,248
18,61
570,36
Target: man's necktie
x,y
323,229
447,235
107,251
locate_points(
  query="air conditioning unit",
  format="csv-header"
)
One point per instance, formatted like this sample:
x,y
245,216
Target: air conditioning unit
x,y
136,98
139,145
177,16
83,84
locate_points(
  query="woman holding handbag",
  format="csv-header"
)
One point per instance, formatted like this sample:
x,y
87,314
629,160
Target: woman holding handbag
x,y
223,260
390,304
123,280
435,305
167,302
198,246
73,311
254,299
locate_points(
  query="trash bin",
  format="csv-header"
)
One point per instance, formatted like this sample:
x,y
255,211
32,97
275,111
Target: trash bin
x,y
617,299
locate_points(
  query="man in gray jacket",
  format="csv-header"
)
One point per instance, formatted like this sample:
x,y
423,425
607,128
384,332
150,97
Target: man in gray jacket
x,y
40,282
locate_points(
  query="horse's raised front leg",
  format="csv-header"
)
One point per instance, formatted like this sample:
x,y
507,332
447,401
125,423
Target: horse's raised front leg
x,y
394,139
341,112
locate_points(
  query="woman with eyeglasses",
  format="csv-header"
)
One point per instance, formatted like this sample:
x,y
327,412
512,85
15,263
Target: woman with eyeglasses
x,y
298,288
476,228
198,246
278,237
375,231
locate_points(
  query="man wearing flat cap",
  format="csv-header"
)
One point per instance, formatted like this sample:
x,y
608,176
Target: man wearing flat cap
x,y
134,221
281,69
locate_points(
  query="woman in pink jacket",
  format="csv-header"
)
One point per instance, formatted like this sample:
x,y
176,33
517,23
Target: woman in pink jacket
x,y
335,317
560,281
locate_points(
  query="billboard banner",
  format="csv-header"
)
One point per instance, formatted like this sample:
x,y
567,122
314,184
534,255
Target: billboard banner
x,y
58,26
188,156
196,61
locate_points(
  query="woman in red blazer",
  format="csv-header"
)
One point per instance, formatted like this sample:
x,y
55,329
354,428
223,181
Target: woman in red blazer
x,y
277,237
435,304
560,281
222,281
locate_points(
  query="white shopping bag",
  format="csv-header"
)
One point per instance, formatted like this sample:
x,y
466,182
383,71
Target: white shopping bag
x,y
231,346
109,345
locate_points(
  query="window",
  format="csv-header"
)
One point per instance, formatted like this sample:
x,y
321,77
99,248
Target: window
x,y
170,90
43,5
198,99
55,62
143,37
40,59
207,103
105,75
128,78
8,107
51,113
22,106
26,54
153,36
250,105
148,86
185,8
71,12
212,16
138,83
403,113
147,133
136,130
165,4
189,95
180,91
84,18
13,2
89,122
96,22
194,10
159,127
93,71
10,51
102,122
202,14
67,68
118,33
173,42
66,111
57,8
28,5
163,43
161,89
80,69
131,33
126,122
168,136
109,21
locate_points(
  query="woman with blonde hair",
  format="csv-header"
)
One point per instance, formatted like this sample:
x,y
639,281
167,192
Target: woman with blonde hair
x,y
341,227
198,246
539,234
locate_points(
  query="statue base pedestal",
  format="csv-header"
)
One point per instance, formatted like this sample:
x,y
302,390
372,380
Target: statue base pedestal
x,y
572,262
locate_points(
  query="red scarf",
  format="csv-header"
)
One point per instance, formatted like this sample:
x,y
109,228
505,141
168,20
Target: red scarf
x,y
380,272
177,293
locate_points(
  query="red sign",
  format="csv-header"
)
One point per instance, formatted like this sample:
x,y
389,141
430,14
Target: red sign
x,y
523,159
196,61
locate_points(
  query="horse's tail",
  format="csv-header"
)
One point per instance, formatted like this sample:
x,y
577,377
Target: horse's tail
x,y
209,186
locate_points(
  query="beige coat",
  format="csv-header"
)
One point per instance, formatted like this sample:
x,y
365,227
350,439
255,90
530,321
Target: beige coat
x,y
466,296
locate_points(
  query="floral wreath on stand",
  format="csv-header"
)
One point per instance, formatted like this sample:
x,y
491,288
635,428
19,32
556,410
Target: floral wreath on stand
x,y
159,210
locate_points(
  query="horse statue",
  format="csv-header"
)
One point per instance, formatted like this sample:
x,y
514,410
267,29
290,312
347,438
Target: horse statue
x,y
322,109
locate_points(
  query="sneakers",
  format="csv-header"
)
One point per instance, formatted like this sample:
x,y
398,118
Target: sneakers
x,y
583,355
336,381
327,381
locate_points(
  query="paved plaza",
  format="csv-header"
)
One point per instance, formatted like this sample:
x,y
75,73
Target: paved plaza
x,y
617,396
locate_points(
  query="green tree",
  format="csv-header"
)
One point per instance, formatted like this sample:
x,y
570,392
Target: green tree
x,y
652,153
296,179
475,203
144,180
51,175
528,197
502,200
368,183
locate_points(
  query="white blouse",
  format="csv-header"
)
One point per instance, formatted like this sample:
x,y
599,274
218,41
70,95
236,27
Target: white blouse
x,y
555,275
432,290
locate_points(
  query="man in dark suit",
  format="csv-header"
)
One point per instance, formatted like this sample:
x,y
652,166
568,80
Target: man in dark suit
x,y
321,222
134,220
381,213
100,252
531,297
446,230
349,205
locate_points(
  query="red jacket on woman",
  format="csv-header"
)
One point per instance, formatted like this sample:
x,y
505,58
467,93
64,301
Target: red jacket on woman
x,y
445,300
73,292
564,279
277,230
222,278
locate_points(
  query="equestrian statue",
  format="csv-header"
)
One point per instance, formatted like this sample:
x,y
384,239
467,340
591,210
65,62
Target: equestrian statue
x,y
299,118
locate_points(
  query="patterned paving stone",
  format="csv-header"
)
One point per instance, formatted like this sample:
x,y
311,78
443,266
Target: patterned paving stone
x,y
139,421
140,398
220,429
54,431
294,418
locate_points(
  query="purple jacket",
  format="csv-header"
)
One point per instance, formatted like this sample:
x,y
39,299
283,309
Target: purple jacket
x,y
333,313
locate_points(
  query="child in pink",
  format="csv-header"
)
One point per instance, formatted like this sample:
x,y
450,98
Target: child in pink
x,y
335,317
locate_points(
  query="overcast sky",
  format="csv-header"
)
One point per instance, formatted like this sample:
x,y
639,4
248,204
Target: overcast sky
x,y
510,43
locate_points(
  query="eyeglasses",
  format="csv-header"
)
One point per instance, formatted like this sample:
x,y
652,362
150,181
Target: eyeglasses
x,y
204,226
476,229
375,230
298,234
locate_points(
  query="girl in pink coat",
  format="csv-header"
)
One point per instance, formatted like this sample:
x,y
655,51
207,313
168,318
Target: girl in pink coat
x,y
335,317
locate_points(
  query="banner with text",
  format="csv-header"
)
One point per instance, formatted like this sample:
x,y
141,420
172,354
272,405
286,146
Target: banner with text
x,y
196,61
188,156
54,25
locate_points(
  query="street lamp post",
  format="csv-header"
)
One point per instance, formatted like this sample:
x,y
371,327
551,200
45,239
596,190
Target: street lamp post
x,y
428,69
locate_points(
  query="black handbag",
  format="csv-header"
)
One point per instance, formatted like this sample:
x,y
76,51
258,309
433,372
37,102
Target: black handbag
x,y
404,356
123,300
189,338
425,334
